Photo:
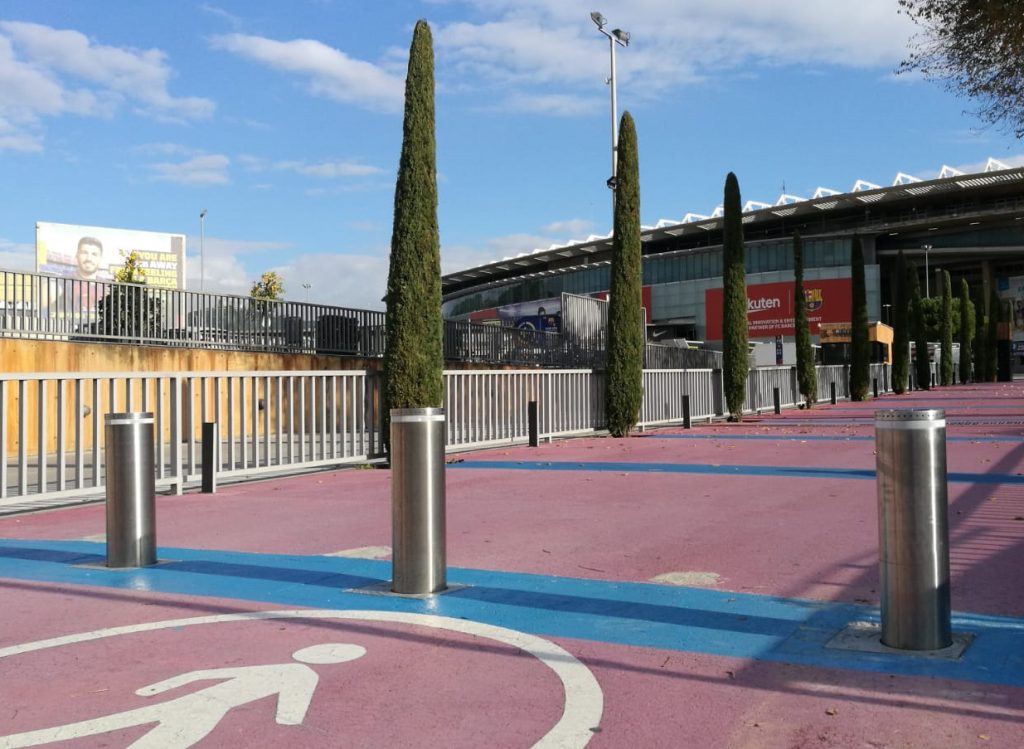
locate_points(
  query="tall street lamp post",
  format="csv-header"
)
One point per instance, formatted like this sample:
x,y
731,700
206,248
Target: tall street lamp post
x,y
307,286
202,254
620,37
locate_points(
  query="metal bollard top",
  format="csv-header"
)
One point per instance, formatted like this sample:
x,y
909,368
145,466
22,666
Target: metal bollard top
x,y
416,414
129,417
910,418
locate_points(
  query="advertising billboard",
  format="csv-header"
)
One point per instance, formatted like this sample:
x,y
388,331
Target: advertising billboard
x,y
544,315
96,253
770,309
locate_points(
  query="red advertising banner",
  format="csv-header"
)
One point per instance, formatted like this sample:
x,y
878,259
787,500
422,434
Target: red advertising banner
x,y
770,310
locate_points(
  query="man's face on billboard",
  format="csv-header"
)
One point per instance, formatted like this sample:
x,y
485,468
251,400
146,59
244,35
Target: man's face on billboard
x,y
88,257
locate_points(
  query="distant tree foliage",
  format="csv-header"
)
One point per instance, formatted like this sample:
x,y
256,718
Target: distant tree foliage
x,y
965,332
270,287
992,339
922,367
626,336
807,378
129,309
975,47
413,353
735,354
901,328
946,332
980,336
860,345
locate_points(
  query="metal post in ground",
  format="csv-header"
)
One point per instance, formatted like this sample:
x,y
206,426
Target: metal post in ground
x,y
686,412
832,389
211,456
874,386
777,400
532,423
131,489
418,501
913,529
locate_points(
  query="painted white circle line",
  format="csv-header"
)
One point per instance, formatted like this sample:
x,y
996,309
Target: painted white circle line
x,y
584,701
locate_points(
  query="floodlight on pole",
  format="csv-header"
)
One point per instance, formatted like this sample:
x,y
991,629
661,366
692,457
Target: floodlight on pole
x,y
307,286
202,254
620,37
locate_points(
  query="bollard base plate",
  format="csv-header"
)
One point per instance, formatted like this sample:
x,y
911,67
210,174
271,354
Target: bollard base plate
x,y
866,637
384,589
103,566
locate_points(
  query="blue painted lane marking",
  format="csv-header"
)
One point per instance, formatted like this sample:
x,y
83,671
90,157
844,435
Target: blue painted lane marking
x,y
719,470
636,614
808,438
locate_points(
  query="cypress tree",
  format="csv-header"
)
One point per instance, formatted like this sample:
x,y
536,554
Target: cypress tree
x,y
626,337
901,328
413,354
735,356
922,367
806,375
980,335
860,358
965,332
946,331
992,341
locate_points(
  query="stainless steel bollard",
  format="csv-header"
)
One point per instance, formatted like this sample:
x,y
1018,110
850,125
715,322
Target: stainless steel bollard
x,y
131,490
913,529
417,500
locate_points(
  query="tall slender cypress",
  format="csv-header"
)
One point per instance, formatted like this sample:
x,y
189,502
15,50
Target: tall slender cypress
x,y
992,339
922,367
860,355
735,356
806,376
413,354
901,327
626,337
980,335
946,331
965,332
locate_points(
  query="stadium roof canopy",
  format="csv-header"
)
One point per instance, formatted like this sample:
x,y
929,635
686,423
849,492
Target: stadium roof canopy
x,y
789,207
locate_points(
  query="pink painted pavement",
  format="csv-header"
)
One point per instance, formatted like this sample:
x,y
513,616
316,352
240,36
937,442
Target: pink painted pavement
x,y
807,538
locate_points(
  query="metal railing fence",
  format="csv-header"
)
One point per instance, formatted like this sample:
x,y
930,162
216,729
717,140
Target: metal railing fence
x,y
52,444
664,391
68,309
50,307
658,356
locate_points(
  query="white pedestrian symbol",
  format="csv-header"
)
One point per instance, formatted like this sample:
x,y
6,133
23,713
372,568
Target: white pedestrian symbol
x,y
183,721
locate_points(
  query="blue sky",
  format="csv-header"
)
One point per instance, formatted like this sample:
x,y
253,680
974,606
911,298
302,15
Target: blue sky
x,y
284,121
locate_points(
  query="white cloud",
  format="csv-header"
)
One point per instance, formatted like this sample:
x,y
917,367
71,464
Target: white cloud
x,y
572,227
47,72
554,44
357,281
321,170
15,256
327,72
206,169
979,166
138,75
223,263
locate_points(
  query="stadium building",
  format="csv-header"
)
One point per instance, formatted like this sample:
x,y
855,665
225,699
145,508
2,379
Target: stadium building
x,y
971,225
